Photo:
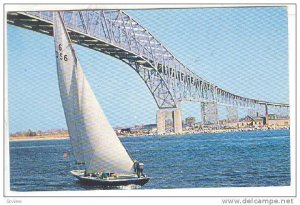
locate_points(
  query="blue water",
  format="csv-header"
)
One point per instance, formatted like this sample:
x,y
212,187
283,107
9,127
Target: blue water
x,y
240,159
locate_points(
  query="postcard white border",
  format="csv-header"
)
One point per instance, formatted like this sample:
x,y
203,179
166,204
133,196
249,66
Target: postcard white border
x,y
205,192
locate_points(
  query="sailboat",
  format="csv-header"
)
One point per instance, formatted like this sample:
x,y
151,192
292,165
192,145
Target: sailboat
x,y
94,142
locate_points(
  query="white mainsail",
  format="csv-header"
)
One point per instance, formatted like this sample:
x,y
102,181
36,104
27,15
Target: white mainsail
x,y
93,140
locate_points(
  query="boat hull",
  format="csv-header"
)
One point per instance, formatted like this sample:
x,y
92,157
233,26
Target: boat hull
x,y
95,181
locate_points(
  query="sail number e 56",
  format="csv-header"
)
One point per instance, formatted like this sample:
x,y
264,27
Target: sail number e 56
x,y
60,55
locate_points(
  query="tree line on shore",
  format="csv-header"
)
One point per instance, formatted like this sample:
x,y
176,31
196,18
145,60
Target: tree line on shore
x,y
32,133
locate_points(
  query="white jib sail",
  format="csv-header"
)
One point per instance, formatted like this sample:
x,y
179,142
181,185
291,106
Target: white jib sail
x,y
93,140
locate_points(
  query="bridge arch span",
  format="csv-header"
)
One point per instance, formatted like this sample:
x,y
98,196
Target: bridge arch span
x,y
115,33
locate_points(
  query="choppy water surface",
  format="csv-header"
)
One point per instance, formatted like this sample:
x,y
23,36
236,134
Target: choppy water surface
x,y
240,159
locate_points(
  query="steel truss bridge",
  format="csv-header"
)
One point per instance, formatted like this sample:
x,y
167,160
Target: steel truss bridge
x,y
115,33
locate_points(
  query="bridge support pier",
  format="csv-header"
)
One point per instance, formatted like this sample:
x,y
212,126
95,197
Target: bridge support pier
x,y
161,122
232,114
209,113
176,120
267,114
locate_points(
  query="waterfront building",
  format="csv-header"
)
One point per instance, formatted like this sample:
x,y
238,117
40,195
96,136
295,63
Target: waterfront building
x,y
190,121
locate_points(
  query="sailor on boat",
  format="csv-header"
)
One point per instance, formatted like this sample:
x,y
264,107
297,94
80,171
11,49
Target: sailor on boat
x,y
138,168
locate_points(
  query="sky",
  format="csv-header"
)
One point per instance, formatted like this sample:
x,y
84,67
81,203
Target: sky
x,y
243,50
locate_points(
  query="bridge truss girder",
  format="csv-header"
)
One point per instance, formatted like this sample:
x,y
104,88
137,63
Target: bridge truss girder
x,y
114,33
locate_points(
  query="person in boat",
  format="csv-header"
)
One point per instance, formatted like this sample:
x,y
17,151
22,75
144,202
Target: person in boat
x,y
142,171
138,170
135,165
104,175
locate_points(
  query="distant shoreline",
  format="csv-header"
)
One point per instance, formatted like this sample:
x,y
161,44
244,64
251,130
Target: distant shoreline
x,y
66,136
54,137
37,138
